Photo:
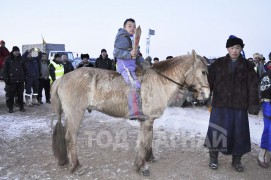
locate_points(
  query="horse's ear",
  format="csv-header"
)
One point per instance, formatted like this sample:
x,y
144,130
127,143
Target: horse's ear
x,y
194,54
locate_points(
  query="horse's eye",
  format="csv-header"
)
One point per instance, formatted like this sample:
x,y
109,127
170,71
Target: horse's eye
x,y
204,72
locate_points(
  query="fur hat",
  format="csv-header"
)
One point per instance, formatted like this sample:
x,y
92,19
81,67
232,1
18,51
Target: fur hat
x,y
15,48
233,40
84,56
257,55
57,55
2,42
156,59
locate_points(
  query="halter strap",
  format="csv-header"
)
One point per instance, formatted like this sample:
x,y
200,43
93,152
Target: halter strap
x,y
171,80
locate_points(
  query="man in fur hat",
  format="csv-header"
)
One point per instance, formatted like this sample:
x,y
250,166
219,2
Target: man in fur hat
x,y
14,74
234,86
85,62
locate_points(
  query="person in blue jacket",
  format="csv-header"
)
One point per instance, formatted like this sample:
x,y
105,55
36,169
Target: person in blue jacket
x,y
32,79
265,90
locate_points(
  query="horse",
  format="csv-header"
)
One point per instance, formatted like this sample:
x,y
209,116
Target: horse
x,y
106,91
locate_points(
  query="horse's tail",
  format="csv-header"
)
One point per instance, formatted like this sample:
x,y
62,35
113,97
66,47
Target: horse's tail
x,y
59,142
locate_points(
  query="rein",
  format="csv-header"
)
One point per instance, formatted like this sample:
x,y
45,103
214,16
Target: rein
x,y
171,80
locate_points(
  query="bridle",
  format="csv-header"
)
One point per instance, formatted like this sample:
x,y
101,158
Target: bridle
x,y
183,86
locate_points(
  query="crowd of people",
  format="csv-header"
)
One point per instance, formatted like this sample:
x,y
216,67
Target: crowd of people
x,y
238,87
26,76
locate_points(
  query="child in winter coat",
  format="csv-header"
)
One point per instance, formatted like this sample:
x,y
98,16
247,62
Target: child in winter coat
x,y
126,65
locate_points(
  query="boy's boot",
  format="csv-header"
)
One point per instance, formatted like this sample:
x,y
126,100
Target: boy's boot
x,y
236,163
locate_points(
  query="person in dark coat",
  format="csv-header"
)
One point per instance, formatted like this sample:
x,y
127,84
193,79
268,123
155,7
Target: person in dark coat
x,y
3,54
14,74
265,89
47,70
67,65
234,87
85,62
32,81
103,61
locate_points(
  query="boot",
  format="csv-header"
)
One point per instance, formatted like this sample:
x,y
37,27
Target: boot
x,y
22,109
10,110
34,100
48,101
40,101
28,102
134,106
213,163
264,158
236,163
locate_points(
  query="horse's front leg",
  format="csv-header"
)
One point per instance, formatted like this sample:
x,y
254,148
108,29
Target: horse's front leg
x,y
144,147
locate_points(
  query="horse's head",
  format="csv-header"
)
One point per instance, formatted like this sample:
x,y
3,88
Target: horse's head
x,y
196,77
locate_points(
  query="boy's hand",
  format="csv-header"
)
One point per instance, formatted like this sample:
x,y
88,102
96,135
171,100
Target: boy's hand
x,y
133,54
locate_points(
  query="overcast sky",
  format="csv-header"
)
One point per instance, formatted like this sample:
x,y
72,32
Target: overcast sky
x,y
180,25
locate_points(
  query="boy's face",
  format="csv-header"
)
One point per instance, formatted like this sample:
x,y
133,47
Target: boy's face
x,y
234,51
130,27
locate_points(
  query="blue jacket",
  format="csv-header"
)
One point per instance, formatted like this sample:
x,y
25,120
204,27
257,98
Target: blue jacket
x,y
32,65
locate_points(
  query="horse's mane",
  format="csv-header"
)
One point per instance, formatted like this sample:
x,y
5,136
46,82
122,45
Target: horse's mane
x,y
164,65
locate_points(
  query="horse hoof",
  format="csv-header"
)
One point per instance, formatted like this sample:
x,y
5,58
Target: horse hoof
x,y
153,160
63,162
74,167
145,172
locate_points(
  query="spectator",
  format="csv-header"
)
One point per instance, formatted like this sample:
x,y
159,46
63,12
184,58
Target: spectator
x,y
148,60
259,65
32,80
265,89
251,60
169,57
47,72
14,74
85,62
155,60
59,69
234,86
268,61
103,61
67,65
3,54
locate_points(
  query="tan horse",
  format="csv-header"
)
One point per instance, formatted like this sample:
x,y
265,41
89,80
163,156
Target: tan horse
x,y
106,91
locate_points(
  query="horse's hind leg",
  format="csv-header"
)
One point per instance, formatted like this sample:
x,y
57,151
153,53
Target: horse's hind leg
x,y
73,120
144,146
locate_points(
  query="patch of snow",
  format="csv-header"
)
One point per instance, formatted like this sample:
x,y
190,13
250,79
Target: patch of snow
x,y
196,119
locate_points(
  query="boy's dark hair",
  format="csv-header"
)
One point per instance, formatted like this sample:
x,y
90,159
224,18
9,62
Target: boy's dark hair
x,y
156,59
130,19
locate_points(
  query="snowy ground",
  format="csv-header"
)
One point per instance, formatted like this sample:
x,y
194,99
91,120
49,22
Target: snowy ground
x,y
106,147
